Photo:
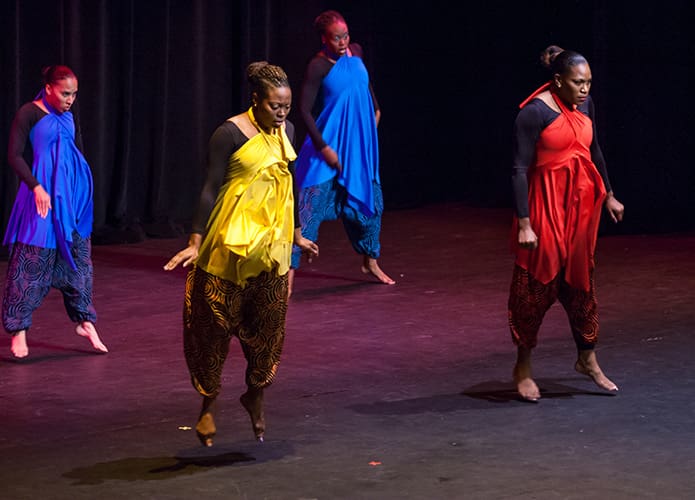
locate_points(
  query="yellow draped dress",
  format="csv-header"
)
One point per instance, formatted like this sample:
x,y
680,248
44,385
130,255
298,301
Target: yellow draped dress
x,y
251,227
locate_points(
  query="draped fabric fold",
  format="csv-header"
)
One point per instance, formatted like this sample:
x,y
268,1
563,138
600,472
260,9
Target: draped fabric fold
x,y
566,195
62,170
348,126
251,227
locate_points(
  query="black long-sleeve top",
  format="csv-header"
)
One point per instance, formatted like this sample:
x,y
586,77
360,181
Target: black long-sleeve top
x,y
310,96
227,139
26,117
530,122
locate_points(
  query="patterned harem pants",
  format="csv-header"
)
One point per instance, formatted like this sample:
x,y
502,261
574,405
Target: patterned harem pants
x,y
32,271
529,300
328,201
216,309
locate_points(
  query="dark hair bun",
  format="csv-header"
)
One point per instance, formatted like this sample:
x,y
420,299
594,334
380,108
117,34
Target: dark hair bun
x,y
549,55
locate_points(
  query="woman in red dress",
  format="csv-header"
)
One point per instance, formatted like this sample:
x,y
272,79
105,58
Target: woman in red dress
x,y
560,185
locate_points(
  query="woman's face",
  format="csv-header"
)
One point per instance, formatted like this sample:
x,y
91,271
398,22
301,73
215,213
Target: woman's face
x,y
336,38
272,110
62,94
574,84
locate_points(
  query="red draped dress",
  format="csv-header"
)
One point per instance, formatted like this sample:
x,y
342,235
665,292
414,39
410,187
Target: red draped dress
x,y
566,194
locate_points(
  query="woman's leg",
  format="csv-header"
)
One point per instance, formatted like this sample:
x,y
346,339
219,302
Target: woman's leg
x,y
207,330
582,312
28,282
76,287
529,300
262,335
364,233
316,204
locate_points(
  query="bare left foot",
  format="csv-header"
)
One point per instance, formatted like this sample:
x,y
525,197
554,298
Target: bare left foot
x,y
205,429
370,266
252,400
588,365
86,329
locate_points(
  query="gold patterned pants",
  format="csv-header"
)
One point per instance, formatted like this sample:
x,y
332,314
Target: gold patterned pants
x,y
216,309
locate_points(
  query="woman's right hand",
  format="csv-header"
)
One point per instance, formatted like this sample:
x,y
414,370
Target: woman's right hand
x,y
187,255
331,157
527,236
43,201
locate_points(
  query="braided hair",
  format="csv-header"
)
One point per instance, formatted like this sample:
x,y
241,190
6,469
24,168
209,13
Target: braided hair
x,y
263,76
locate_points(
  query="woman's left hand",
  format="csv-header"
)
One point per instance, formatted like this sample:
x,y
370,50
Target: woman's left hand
x,y
307,246
615,208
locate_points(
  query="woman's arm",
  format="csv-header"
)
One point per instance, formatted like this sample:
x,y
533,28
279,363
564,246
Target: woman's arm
x,y
220,148
315,72
23,122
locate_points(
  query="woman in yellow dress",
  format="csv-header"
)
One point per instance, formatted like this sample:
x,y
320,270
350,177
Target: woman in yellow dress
x,y
240,248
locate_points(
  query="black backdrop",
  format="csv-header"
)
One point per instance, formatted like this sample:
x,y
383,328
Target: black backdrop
x,y
157,76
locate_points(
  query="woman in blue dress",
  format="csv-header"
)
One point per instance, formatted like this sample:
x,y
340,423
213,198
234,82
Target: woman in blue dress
x,y
337,168
51,221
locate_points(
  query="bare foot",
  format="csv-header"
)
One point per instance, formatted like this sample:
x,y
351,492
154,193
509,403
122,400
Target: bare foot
x,y
252,400
525,385
588,365
19,344
370,266
205,429
86,329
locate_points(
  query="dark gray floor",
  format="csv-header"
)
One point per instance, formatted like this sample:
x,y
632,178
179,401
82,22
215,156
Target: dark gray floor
x,y
400,392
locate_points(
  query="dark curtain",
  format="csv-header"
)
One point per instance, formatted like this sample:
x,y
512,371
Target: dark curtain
x,y
156,77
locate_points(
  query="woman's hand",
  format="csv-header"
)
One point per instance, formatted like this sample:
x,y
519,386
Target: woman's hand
x,y
615,208
307,246
527,236
331,157
43,201
187,255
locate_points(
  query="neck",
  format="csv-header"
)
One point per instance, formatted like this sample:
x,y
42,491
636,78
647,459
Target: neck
x,y
330,55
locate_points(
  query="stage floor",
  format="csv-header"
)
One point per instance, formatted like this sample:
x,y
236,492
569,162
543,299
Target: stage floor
x,y
383,392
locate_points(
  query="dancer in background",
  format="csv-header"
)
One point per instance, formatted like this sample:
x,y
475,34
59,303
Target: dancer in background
x,y
338,164
51,221
240,248
560,185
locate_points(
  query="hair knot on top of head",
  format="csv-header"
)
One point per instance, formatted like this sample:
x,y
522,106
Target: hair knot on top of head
x,y
559,61
549,54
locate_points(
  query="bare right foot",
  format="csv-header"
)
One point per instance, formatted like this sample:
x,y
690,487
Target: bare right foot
x,y
19,344
525,385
